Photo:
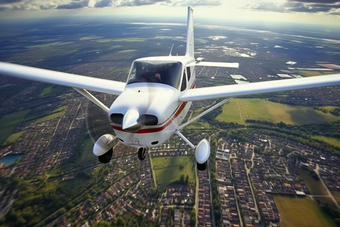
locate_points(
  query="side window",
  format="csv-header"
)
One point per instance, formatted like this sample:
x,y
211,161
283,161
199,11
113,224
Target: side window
x,y
184,82
189,73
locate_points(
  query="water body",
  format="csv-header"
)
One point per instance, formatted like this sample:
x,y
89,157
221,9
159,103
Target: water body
x,y
10,159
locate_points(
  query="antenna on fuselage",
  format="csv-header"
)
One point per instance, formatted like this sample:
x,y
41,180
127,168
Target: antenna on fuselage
x,y
171,50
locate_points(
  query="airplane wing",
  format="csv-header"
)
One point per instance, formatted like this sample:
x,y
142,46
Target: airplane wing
x,y
218,64
60,78
259,87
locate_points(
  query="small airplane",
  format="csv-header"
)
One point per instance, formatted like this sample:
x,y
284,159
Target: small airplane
x,y
154,101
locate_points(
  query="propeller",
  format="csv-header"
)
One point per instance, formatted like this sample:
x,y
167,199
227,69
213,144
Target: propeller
x,y
131,121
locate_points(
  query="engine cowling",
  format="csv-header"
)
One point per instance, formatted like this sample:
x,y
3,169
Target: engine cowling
x,y
103,144
202,151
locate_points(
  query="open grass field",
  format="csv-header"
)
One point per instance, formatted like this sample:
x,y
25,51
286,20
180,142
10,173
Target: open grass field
x,y
329,140
315,73
14,137
315,186
325,200
121,70
86,153
301,212
336,195
168,169
53,90
45,116
238,110
128,40
9,122
49,44
127,51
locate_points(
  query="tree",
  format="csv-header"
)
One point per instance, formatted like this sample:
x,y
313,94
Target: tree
x,y
193,218
182,179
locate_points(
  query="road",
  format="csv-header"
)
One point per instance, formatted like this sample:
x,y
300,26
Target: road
x,y
329,193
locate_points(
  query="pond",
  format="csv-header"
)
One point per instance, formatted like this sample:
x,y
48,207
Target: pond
x,y
10,159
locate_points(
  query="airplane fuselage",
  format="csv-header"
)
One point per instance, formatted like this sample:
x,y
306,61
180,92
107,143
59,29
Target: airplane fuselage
x,y
154,99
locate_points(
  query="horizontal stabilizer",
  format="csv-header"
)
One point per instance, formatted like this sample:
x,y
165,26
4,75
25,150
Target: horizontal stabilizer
x,y
218,64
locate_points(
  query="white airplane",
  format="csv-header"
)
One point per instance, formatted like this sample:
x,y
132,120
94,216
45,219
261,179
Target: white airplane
x,y
152,104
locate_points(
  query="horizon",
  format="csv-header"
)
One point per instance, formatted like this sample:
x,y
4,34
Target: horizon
x,y
279,11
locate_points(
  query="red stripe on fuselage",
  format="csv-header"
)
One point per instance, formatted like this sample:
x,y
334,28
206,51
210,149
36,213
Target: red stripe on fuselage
x,y
151,130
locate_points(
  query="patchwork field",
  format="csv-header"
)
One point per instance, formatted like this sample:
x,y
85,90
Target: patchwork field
x,y
86,153
336,195
168,169
315,186
302,212
239,110
8,124
329,140
314,73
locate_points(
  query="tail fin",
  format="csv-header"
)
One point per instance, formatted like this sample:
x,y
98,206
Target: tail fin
x,y
190,34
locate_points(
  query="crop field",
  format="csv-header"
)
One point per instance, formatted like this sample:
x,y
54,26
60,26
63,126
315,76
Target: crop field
x,y
45,116
14,137
315,186
168,169
86,153
324,201
332,141
239,110
8,124
314,73
336,195
302,212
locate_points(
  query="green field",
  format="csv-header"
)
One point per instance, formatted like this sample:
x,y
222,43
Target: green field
x,y
329,140
315,186
128,40
315,73
14,137
336,195
120,70
49,44
9,122
127,51
324,201
301,212
45,116
168,169
53,90
238,110
86,153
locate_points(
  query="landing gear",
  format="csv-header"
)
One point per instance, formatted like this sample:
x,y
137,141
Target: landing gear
x,y
202,167
105,158
141,153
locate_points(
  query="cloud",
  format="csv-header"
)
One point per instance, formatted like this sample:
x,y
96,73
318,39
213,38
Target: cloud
x,y
137,2
9,1
194,2
294,6
75,4
315,1
103,3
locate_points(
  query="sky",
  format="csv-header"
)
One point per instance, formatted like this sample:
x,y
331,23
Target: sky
x,y
299,11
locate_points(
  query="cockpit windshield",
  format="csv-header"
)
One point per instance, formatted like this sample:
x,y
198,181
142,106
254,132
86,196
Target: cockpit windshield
x,y
164,72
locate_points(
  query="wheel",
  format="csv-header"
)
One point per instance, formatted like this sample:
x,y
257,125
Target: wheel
x,y
202,167
141,153
105,158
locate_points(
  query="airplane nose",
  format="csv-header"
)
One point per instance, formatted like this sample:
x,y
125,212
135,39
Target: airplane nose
x,y
130,121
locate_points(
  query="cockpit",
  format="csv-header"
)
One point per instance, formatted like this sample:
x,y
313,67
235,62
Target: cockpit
x,y
165,72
